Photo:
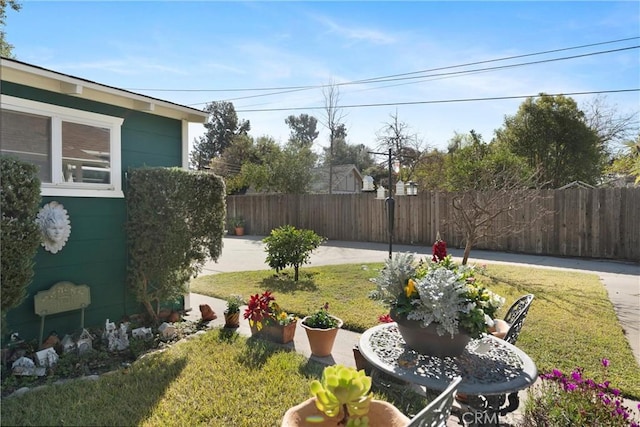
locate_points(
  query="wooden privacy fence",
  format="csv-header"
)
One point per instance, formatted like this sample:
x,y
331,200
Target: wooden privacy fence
x,y
591,223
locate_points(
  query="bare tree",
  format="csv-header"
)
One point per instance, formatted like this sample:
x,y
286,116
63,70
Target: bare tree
x,y
612,127
406,146
332,120
499,211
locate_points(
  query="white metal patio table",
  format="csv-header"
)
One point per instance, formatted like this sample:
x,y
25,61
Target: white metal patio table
x,y
489,366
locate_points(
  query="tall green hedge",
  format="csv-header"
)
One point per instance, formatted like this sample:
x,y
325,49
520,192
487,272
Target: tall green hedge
x,y
19,234
175,222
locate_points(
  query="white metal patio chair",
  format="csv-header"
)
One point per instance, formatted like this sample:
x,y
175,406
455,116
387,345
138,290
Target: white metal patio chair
x,y
515,317
436,413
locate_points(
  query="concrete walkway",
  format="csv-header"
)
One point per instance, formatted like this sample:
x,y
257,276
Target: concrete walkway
x,y
622,281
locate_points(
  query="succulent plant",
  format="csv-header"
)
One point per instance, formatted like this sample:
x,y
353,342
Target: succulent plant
x,y
343,388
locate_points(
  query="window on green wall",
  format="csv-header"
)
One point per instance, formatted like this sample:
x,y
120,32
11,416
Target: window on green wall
x,y
78,152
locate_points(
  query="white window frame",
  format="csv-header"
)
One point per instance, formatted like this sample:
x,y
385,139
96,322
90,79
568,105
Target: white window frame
x,y
58,186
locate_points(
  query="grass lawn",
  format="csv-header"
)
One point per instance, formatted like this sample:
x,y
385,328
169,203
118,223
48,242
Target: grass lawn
x,y
215,379
571,322
222,379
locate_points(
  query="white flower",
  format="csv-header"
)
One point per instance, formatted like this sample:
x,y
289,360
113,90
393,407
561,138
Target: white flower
x,y
440,300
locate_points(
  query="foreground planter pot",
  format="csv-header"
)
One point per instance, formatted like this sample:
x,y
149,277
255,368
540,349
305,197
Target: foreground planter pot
x,y
276,332
427,341
321,340
381,414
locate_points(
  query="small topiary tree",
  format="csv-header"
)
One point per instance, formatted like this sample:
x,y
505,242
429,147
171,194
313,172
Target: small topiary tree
x,y
19,234
175,222
289,246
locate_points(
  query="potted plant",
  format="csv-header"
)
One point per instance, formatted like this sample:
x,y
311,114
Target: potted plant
x,y
237,223
321,328
439,306
342,397
232,313
268,320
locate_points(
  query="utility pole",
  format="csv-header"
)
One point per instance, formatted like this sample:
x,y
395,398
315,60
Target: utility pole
x,y
389,202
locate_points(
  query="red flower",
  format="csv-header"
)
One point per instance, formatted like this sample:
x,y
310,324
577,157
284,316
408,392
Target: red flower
x,y
439,250
259,308
385,318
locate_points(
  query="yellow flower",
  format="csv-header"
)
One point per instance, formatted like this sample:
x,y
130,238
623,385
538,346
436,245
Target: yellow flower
x,y
410,288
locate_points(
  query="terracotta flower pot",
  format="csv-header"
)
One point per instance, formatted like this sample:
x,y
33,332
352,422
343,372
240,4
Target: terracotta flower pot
x,y
381,414
321,340
281,334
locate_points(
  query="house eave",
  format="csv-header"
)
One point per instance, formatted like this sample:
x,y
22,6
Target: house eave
x,y
41,78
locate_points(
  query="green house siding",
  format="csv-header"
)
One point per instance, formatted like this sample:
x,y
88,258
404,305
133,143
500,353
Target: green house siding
x,y
96,252
150,141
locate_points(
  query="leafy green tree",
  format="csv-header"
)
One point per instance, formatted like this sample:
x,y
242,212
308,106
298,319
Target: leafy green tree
x,y
430,171
292,172
345,154
552,134
450,171
464,166
222,127
19,234
288,246
286,170
242,150
303,129
6,49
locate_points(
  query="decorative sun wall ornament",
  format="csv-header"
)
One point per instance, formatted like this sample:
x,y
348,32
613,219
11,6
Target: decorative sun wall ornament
x,y
54,225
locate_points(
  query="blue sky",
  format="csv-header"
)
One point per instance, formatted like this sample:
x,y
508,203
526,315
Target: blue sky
x,y
195,50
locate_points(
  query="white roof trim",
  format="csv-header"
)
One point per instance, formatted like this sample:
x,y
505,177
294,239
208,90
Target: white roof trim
x,y
30,75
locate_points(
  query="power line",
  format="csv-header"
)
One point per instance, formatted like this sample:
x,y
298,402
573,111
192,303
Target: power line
x,y
442,101
500,67
374,79
446,75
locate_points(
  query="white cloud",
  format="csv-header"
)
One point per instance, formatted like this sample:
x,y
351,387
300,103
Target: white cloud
x,y
355,33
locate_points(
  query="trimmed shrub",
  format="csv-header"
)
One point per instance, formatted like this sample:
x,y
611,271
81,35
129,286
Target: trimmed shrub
x,y
20,236
289,246
175,222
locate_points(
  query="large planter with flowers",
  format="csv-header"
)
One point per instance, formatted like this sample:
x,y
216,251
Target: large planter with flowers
x,y
267,320
426,340
438,305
